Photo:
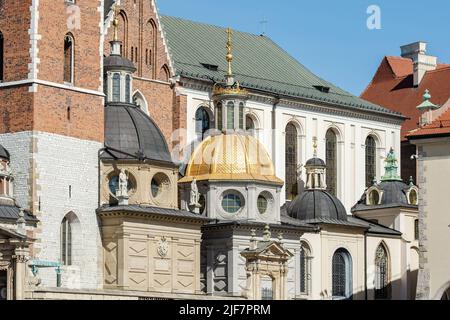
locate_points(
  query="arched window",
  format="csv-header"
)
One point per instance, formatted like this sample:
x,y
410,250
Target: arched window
x,y
291,161
342,275
230,115
413,197
153,36
371,165
128,88
66,242
305,269
250,125
116,87
68,58
381,273
219,116
374,198
202,122
164,73
1,56
241,116
331,160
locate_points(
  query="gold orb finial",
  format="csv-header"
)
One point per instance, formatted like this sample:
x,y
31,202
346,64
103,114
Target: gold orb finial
x,y
229,47
116,12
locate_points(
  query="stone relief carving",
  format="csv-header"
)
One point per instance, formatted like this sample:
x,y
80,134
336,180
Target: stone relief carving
x,y
163,247
122,190
195,195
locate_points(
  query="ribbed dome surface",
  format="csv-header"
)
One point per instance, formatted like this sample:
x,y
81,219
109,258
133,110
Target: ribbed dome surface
x,y
316,204
231,157
315,162
118,62
130,130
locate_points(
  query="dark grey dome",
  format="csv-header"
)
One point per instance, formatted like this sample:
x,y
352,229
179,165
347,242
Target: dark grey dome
x,y
394,195
316,205
130,130
118,62
4,154
315,162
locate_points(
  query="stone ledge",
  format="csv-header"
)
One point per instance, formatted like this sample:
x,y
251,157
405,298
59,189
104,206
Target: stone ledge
x,y
65,294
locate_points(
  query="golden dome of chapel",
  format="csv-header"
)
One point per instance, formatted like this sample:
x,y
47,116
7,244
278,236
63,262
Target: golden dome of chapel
x,y
231,157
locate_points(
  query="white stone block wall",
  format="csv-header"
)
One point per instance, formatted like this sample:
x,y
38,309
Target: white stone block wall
x,y
60,162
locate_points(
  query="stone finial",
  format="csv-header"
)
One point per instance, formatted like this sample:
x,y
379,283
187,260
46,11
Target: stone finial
x,y
21,222
374,181
411,181
280,237
267,234
253,240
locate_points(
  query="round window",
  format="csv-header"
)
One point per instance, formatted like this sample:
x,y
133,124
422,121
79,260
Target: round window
x,y
262,204
232,203
159,185
156,188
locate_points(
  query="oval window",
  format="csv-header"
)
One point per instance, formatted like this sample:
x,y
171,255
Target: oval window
x,y
262,204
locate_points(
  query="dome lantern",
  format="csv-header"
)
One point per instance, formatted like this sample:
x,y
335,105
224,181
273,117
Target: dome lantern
x,y
229,98
118,71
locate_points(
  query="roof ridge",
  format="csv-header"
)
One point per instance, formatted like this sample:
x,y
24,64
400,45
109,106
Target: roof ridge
x,y
211,25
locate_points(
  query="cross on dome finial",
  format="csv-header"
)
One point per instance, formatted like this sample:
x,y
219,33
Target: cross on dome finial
x,y
229,47
116,12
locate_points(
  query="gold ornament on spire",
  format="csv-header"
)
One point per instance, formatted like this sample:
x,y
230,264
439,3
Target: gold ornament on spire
x,y
116,12
229,47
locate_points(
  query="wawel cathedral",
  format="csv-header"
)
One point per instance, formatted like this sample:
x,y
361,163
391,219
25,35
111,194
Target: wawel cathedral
x,y
147,156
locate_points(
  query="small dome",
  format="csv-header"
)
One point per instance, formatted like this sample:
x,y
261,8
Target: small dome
x,y
130,130
394,194
315,162
4,154
317,204
114,62
231,157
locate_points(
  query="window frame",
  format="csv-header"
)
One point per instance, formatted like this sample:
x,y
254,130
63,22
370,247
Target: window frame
x,y
70,81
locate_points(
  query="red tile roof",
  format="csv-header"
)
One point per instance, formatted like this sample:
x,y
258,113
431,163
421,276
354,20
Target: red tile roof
x,y
392,87
441,126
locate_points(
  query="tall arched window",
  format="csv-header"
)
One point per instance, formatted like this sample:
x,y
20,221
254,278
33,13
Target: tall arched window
x,y
241,116
1,56
371,165
153,34
202,122
342,275
305,269
331,160
128,88
381,273
219,119
116,87
66,242
68,58
249,124
230,115
291,161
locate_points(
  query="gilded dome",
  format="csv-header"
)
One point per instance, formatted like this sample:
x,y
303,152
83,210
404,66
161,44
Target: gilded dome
x,y
231,157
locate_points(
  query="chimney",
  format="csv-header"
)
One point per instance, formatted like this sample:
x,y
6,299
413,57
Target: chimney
x,y
421,61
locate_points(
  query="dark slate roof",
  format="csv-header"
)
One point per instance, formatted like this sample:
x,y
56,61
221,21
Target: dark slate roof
x,y
12,233
315,162
286,224
197,51
11,213
152,211
4,154
118,62
316,204
128,129
374,228
394,196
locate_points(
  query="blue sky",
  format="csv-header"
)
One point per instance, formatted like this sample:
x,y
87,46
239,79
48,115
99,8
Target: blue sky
x,y
330,37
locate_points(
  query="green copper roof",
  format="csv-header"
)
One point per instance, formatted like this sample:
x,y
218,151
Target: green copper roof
x,y
391,168
427,104
198,51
